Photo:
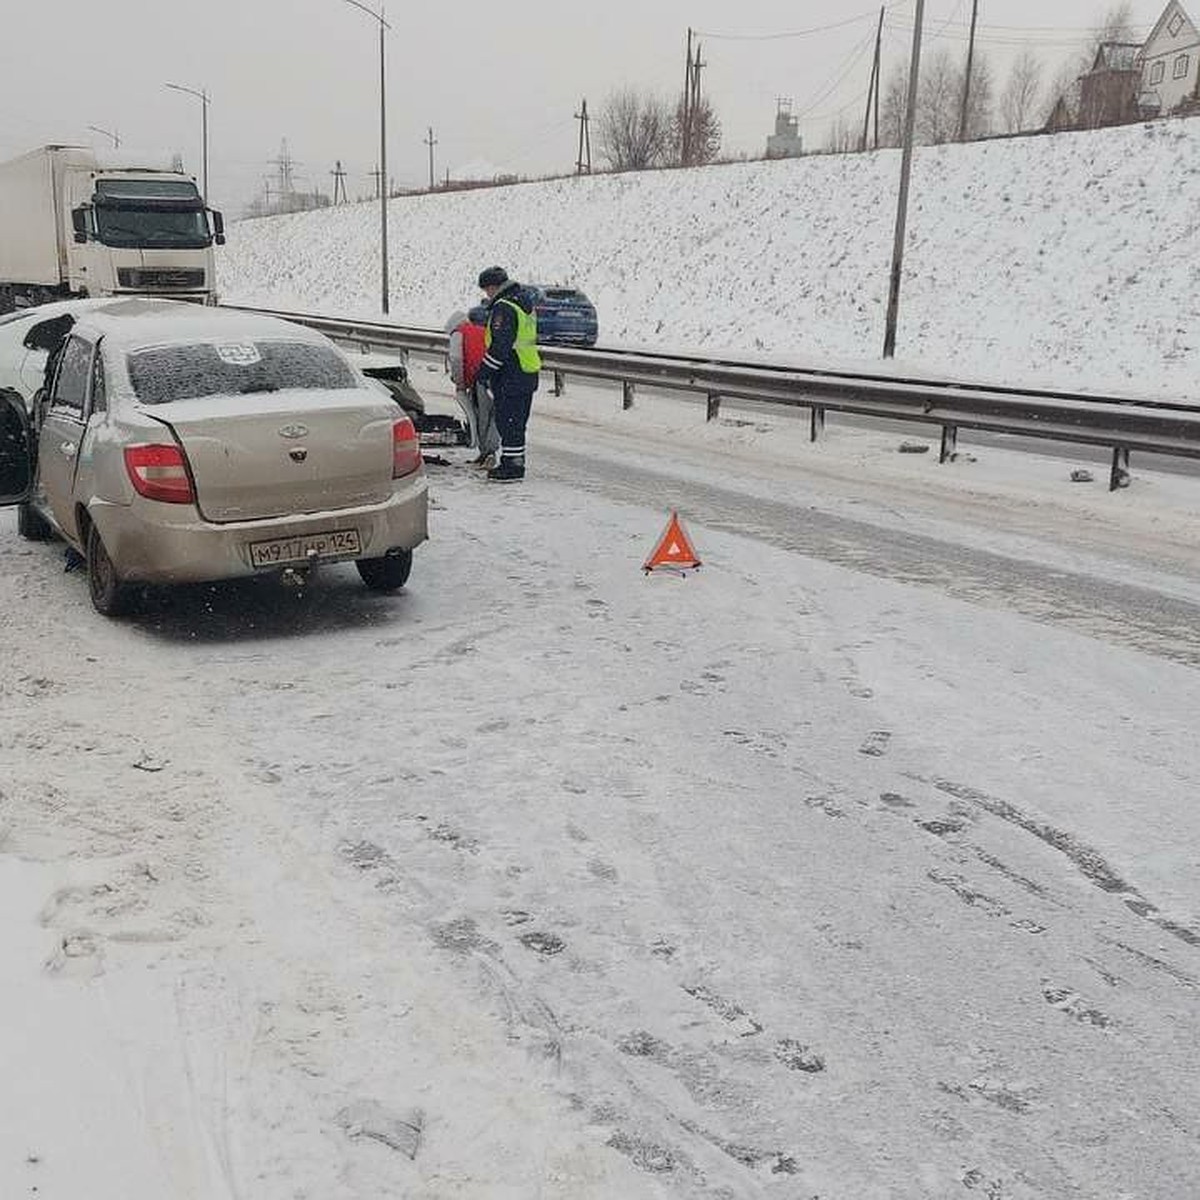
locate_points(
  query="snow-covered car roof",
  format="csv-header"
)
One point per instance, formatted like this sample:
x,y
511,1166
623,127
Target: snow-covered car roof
x,y
137,323
57,308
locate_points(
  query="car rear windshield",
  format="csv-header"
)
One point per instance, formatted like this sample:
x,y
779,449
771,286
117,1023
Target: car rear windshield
x,y
565,294
162,374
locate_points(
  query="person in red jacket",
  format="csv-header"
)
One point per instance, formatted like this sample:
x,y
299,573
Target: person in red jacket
x,y
466,351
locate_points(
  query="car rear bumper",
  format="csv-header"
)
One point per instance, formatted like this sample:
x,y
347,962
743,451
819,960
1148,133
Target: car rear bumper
x,y
583,338
151,542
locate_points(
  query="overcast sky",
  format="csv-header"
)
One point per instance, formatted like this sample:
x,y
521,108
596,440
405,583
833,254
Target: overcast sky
x,y
498,82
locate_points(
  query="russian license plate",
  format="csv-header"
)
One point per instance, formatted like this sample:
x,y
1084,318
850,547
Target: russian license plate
x,y
281,551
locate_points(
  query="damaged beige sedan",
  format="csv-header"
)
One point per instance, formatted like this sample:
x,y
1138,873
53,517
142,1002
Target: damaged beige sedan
x,y
172,443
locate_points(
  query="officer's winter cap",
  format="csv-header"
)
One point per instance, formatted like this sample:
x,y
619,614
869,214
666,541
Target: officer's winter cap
x,y
493,277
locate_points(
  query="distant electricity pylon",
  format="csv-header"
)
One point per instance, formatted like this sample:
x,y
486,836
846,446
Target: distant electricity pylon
x,y
339,184
583,160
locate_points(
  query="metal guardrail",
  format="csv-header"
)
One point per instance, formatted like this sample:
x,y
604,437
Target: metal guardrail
x,y
1125,424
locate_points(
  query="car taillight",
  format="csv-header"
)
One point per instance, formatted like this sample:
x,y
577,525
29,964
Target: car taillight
x,y
406,448
159,473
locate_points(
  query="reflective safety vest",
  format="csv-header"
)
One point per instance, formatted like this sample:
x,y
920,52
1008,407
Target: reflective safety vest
x,y
525,344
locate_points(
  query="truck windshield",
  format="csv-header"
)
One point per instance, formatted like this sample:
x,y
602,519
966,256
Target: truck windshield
x,y
151,214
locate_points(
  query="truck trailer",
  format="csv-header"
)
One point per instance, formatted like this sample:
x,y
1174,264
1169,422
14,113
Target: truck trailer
x,y
72,226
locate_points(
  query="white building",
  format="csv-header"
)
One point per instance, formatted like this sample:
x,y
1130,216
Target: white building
x,y
1170,62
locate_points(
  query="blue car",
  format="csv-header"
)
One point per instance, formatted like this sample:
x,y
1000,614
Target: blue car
x,y
565,316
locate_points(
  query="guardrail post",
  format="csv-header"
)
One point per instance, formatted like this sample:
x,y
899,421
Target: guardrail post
x,y
627,396
949,443
816,426
1119,475
559,383
713,409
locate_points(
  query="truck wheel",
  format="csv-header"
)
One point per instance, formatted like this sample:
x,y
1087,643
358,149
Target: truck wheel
x,y
31,525
110,597
386,574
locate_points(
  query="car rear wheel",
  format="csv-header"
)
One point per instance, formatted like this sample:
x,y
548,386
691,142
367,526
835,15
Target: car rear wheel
x,y
388,573
31,525
110,596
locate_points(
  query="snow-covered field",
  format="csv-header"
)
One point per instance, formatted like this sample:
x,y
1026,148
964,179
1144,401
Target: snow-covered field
x,y
1065,260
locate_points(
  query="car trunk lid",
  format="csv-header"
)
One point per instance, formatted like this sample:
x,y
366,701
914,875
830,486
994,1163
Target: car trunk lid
x,y
272,454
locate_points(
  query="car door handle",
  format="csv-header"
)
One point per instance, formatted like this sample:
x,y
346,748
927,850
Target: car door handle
x,y
69,449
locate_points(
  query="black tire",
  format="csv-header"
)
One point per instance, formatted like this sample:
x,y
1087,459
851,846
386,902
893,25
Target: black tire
x,y
386,574
110,596
31,525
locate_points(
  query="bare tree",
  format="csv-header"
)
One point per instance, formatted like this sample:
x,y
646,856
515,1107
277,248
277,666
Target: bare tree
x,y
893,109
1019,100
843,137
980,103
939,95
634,130
939,101
704,140
1117,26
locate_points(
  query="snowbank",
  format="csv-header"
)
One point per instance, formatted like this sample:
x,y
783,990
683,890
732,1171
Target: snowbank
x,y
1064,260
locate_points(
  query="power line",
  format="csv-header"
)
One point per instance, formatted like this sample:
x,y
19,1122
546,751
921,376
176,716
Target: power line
x,y
1065,41
796,33
848,65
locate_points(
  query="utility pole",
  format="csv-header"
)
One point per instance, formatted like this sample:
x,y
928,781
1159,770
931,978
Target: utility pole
x,y
339,184
583,160
910,120
873,90
382,176
431,141
685,148
693,111
966,100
878,86
377,175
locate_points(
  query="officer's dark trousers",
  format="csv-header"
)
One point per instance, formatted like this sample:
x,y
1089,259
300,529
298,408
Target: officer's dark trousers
x,y
512,415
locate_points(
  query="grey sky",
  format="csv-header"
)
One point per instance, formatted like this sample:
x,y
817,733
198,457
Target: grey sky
x,y
498,82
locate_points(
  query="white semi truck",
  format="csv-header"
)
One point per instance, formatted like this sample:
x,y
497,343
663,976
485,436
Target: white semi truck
x,y
71,226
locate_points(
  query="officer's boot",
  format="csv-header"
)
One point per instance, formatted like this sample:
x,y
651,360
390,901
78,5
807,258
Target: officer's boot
x,y
510,470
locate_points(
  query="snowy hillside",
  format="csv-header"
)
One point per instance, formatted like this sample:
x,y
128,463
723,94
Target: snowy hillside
x,y
1068,260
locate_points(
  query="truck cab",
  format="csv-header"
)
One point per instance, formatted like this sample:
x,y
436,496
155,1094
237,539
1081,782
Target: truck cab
x,y
141,233
78,227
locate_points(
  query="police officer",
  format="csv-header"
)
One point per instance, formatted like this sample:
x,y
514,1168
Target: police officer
x,y
510,367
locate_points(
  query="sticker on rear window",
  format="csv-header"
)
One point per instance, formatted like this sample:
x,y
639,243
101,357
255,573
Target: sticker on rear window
x,y
239,354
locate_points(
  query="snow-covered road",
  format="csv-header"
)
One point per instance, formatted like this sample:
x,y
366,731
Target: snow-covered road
x,y
860,864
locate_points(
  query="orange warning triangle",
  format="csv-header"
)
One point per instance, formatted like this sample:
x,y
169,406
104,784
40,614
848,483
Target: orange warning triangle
x,y
674,548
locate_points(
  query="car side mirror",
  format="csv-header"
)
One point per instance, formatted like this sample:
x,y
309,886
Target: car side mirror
x,y
218,221
79,222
